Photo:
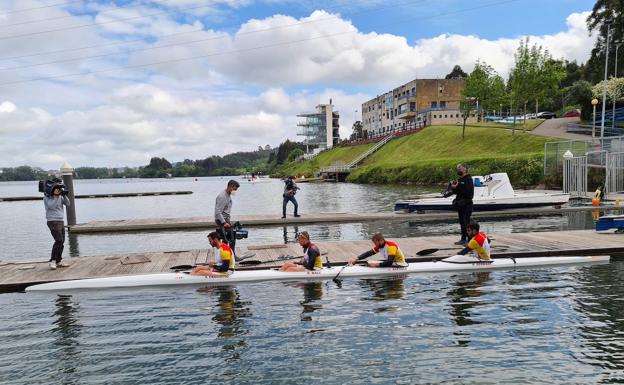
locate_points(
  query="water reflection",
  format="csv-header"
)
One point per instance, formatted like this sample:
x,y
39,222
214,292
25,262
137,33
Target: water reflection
x,y
601,330
466,289
290,237
67,332
230,316
384,290
74,249
312,293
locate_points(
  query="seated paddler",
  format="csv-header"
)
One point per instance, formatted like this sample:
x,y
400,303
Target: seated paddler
x,y
478,246
224,258
311,256
390,251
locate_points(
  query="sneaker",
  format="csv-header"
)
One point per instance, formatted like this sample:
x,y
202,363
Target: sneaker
x,y
283,216
52,265
62,264
297,215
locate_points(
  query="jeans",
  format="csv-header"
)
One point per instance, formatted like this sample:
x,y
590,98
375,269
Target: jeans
x,y
57,229
289,198
464,211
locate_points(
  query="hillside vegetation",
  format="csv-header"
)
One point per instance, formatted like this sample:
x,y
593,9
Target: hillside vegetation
x,y
430,156
326,158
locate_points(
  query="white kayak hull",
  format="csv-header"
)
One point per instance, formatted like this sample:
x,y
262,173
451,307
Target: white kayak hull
x,y
242,276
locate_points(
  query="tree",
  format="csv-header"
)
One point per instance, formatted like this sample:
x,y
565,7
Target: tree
x,y
294,154
603,11
485,87
357,132
580,94
466,106
456,73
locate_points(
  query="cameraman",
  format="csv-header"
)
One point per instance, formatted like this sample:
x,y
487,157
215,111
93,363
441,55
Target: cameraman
x,y
463,187
290,189
55,215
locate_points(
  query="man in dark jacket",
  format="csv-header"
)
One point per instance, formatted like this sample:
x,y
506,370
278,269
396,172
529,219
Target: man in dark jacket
x,y
463,188
290,189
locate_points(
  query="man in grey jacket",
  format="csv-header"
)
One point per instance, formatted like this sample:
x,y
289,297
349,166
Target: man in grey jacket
x,y
55,215
223,208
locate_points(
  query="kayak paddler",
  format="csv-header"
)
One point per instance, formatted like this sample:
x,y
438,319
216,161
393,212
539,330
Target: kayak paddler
x,y
478,246
311,256
226,258
389,250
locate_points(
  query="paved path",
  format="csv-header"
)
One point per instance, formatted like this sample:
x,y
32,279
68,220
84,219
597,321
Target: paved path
x,y
556,128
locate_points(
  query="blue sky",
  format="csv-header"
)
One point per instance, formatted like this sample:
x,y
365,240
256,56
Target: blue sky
x,y
261,62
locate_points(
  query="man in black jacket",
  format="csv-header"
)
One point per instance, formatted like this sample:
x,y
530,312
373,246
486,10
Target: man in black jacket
x,y
290,189
464,190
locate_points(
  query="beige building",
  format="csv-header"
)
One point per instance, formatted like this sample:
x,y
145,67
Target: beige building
x,y
418,103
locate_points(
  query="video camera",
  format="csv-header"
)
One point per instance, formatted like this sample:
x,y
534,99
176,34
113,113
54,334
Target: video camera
x,y
238,231
48,186
449,190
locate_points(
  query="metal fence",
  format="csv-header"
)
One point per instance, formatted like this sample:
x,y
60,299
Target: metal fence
x,y
575,176
615,172
553,151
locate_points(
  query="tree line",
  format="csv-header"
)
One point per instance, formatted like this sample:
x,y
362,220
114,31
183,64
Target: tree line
x,y
265,160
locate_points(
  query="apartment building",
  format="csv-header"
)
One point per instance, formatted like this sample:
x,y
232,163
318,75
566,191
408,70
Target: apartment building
x,y
320,128
418,103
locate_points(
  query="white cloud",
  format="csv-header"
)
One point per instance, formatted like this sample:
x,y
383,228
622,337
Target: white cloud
x,y
236,97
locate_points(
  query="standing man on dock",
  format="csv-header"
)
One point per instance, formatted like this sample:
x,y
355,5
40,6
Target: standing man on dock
x,y
463,188
290,189
53,201
223,208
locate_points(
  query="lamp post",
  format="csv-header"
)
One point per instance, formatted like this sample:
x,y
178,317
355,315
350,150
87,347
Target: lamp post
x,y
617,47
594,102
604,90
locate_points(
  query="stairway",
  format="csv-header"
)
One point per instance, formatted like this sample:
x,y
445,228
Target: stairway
x,y
353,164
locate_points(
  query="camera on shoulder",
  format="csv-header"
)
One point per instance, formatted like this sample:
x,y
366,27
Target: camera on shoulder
x,y
239,232
48,186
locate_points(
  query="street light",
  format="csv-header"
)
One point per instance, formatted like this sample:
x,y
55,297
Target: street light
x,y
604,91
617,47
594,102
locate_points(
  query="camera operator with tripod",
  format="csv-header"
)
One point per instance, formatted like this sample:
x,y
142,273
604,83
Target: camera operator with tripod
x,y
55,196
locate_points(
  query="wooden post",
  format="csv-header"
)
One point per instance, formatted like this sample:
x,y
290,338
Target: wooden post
x,y
67,172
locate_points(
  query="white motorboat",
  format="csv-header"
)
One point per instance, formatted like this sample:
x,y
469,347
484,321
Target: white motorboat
x,y
491,192
451,264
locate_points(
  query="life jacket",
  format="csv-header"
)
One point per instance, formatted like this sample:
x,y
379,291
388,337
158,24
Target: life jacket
x,y
226,254
480,246
392,248
318,262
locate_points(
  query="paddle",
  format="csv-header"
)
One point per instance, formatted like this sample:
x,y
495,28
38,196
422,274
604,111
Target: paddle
x,y
280,259
431,251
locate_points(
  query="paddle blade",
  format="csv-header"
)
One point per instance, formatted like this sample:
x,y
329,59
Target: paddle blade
x,y
426,252
250,262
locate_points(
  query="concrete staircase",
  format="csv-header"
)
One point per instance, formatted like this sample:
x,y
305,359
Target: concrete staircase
x,y
347,168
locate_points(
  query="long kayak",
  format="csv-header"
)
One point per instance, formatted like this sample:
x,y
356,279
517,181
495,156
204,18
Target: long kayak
x,y
241,276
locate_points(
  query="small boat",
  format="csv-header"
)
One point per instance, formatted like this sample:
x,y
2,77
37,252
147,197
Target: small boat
x,y
451,264
491,192
610,223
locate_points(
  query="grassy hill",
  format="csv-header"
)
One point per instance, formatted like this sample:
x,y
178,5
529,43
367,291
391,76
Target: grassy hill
x,y
324,159
431,155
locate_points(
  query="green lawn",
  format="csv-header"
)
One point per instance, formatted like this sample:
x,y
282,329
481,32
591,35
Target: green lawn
x,y
430,156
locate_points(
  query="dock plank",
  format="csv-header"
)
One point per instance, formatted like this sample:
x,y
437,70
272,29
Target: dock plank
x,y
151,224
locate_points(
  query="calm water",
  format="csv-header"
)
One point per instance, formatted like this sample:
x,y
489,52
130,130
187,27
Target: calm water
x,y
26,236
562,325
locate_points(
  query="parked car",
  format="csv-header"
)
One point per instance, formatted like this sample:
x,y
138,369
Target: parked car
x,y
575,113
546,115
531,116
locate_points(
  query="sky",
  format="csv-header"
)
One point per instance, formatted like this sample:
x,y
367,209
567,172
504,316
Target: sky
x,y
114,83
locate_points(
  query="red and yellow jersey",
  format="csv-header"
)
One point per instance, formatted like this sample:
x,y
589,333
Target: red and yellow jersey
x,y
391,249
226,254
480,246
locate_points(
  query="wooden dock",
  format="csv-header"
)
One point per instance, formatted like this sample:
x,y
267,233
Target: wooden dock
x,y
151,224
17,275
104,195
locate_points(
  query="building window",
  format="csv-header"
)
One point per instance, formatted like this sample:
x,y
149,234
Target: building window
x,y
442,104
413,91
445,116
457,116
435,116
434,104
412,106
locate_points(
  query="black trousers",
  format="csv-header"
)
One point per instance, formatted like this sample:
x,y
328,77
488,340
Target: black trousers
x,y
464,212
57,229
289,199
